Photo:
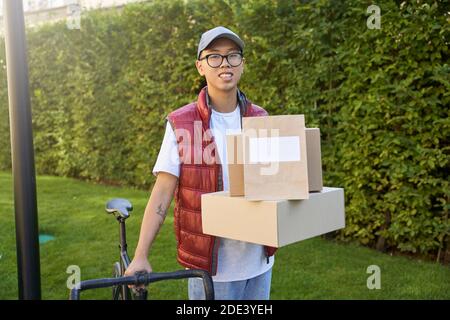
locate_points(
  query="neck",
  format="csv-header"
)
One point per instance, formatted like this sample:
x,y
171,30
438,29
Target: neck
x,y
223,101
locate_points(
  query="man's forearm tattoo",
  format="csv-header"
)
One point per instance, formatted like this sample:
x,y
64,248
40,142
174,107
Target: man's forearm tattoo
x,y
161,212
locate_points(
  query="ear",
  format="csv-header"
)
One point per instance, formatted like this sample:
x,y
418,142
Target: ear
x,y
199,66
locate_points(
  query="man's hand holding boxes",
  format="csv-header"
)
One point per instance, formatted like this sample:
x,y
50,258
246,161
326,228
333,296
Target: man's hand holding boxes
x,y
276,196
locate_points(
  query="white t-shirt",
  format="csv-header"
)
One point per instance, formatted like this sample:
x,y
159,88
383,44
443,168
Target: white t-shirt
x,y
237,260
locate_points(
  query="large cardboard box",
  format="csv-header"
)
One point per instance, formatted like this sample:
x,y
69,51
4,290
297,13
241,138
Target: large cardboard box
x,y
314,155
275,158
273,223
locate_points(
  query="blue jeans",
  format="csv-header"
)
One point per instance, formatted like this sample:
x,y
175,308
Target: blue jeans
x,y
257,288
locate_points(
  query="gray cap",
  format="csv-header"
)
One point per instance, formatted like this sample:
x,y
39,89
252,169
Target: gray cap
x,y
218,32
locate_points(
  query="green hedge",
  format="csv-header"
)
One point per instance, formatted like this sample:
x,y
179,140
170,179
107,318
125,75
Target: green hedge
x,y
100,96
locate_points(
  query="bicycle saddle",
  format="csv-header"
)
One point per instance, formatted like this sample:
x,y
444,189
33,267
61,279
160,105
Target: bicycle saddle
x,y
122,207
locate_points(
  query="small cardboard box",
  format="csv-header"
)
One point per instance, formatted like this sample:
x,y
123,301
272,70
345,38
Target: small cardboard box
x,y
314,159
275,157
235,162
273,223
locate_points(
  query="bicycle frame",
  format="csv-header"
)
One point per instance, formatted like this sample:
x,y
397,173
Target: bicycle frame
x,y
120,208
139,294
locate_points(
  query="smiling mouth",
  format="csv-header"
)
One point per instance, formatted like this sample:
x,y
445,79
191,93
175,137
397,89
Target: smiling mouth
x,y
225,75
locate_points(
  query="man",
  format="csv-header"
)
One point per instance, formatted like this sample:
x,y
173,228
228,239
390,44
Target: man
x,y
192,161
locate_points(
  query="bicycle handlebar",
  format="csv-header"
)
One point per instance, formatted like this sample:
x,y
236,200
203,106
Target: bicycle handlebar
x,y
145,279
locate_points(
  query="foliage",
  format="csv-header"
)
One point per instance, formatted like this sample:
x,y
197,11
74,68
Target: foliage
x,y
100,96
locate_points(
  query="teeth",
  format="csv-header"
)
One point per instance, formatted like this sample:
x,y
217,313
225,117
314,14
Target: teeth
x,y
225,75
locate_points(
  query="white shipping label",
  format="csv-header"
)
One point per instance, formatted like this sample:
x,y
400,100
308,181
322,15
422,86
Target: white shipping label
x,y
274,149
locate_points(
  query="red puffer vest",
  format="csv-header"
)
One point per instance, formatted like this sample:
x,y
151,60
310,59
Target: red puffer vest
x,y
200,172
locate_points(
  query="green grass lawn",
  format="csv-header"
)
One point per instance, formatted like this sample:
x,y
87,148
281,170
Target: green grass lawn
x,y
73,212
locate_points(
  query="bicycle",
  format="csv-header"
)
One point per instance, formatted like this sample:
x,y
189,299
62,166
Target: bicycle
x,y
121,208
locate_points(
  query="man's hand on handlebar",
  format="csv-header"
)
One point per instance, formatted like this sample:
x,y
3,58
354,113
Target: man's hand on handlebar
x,y
138,265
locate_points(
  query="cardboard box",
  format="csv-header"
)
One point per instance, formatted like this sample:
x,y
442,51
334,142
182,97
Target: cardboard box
x,y
275,158
314,159
273,223
235,162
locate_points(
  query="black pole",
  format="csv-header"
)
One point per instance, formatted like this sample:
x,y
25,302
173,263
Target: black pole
x,y
22,154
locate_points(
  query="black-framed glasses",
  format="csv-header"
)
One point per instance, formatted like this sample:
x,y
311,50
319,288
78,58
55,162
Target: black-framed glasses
x,y
215,60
